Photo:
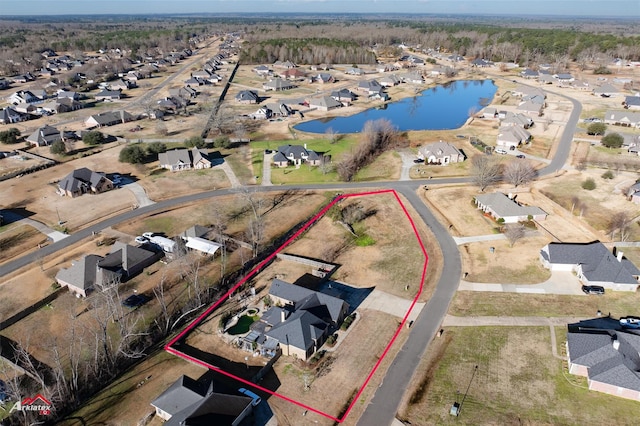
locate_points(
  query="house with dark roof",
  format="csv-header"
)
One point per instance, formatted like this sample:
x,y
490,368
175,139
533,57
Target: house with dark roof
x,y
593,263
440,152
517,119
9,115
247,97
110,118
83,181
512,136
344,96
44,136
184,159
608,356
108,95
501,206
632,102
122,263
303,318
369,87
190,402
296,155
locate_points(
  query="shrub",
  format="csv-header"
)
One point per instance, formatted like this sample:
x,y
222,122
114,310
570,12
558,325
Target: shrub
x,y
607,175
93,138
596,129
195,141
10,136
347,322
602,70
221,142
132,154
365,241
58,148
156,148
589,184
332,340
612,140
500,220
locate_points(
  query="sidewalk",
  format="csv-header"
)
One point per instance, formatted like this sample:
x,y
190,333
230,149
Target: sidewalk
x,y
559,283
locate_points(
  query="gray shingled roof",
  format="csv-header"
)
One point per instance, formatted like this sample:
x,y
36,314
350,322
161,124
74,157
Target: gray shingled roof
x,y
181,394
503,206
299,296
606,363
79,177
439,149
297,151
125,256
214,409
300,330
598,263
81,274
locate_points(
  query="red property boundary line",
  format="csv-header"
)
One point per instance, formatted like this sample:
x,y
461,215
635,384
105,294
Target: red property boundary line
x,y
169,347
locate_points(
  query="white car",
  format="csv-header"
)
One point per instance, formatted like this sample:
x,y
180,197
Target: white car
x,y
256,398
147,235
141,240
501,151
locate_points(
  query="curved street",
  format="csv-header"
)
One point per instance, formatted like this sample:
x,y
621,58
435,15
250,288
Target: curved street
x,y
383,407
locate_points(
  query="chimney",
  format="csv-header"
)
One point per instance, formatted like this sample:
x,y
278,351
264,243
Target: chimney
x,y
305,146
616,343
283,315
619,255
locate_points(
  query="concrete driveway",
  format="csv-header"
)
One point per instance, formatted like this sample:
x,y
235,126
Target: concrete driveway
x,y
138,191
384,302
559,283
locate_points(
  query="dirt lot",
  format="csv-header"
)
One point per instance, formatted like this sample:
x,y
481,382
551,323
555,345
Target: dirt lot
x,y
517,381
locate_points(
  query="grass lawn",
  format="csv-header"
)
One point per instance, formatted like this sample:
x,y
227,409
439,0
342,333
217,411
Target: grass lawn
x,y
303,174
512,379
468,303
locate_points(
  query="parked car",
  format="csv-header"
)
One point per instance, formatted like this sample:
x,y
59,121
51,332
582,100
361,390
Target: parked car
x,y
592,120
141,240
630,322
500,151
520,156
256,398
592,289
147,235
418,160
135,300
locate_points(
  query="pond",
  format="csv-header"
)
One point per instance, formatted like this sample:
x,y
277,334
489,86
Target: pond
x,y
243,325
443,107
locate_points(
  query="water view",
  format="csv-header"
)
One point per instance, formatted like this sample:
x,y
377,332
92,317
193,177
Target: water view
x,y
442,107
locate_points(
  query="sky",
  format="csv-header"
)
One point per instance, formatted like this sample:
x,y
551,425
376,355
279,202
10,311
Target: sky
x,y
597,8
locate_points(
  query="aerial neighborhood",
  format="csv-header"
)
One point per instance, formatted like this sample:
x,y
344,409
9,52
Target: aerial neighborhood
x,y
315,220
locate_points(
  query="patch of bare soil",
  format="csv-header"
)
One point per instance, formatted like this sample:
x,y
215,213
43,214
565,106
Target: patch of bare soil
x,y
163,184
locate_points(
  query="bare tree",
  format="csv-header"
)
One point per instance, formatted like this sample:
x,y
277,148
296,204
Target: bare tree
x,y
163,320
519,172
485,171
514,232
332,135
255,227
619,222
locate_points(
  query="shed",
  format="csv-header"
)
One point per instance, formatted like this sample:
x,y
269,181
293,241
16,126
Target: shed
x,y
200,244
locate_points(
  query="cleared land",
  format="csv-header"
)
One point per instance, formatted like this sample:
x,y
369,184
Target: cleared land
x,y
518,381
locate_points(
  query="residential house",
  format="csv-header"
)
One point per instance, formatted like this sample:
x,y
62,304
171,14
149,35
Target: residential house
x,y
581,85
324,103
248,97
9,115
523,91
108,119
354,71
302,321
607,90
121,85
60,105
633,193
632,102
593,263
622,118
386,68
186,92
83,181
344,96
196,231
44,136
25,108
278,84
442,153
413,77
262,113
184,159
564,78
501,206
296,155
440,70
531,107
517,119
607,355
293,74
529,74
4,83
490,113
23,96
284,64
481,63
195,81
262,70
512,136
278,109
108,95
389,80
121,264
68,94
322,78
190,402
546,78
370,87
168,104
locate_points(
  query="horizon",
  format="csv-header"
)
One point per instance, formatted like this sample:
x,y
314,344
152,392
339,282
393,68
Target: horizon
x,y
629,9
